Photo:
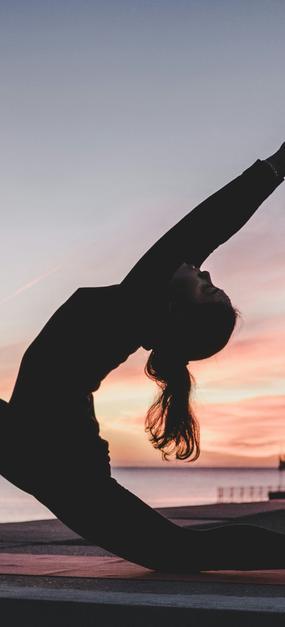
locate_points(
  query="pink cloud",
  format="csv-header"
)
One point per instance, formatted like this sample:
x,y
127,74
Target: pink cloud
x,y
253,427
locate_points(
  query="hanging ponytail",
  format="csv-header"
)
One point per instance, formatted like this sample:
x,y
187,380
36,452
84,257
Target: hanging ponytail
x,y
170,420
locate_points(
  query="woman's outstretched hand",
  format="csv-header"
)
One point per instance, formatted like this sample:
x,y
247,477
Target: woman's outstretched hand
x,y
278,160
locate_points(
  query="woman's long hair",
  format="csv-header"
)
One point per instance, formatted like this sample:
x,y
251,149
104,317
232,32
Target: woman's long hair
x,y
171,420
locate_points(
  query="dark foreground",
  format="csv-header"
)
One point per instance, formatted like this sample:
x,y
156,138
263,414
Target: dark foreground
x,y
51,577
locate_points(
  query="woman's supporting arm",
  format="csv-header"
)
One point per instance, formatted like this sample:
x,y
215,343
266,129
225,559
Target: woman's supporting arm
x,y
202,230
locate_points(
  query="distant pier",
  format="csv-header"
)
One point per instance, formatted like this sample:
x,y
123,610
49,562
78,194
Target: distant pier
x,y
248,494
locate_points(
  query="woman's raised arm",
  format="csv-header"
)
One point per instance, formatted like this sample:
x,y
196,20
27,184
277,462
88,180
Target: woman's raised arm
x,y
202,230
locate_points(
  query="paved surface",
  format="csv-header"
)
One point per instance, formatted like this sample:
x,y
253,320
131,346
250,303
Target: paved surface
x,y
124,600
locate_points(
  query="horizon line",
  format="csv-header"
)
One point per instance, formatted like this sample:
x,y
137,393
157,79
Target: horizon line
x,y
201,467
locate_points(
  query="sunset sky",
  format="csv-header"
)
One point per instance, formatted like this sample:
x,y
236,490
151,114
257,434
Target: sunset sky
x,y
117,118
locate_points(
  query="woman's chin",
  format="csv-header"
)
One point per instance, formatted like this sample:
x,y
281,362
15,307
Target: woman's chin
x,y
147,346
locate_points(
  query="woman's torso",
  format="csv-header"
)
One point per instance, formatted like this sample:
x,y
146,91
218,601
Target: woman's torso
x,y
51,427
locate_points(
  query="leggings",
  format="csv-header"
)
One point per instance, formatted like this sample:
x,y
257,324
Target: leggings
x,y
108,515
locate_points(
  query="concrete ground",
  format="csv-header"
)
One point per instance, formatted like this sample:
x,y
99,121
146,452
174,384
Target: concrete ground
x,y
119,593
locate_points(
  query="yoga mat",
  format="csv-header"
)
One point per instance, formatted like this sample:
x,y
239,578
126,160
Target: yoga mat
x,y
117,568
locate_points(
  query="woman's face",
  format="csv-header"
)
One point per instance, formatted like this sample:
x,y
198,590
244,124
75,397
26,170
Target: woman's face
x,y
191,285
188,285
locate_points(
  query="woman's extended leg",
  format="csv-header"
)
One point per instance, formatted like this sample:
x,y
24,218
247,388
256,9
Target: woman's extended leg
x,y
110,516
105,513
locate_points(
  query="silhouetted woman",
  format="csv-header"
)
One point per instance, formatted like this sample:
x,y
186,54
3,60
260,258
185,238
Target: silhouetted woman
x,y
50,441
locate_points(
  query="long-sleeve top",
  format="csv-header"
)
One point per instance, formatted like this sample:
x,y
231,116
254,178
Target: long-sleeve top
x,y
98,328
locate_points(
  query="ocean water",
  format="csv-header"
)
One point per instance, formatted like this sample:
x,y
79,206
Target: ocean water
x,y
161,487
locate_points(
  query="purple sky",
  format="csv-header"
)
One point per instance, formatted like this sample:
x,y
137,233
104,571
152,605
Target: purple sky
x,y
116,119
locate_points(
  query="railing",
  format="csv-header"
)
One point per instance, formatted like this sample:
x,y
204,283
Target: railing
x,y
240,494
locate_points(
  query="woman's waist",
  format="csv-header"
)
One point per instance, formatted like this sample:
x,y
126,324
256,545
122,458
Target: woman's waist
x,y
37,453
